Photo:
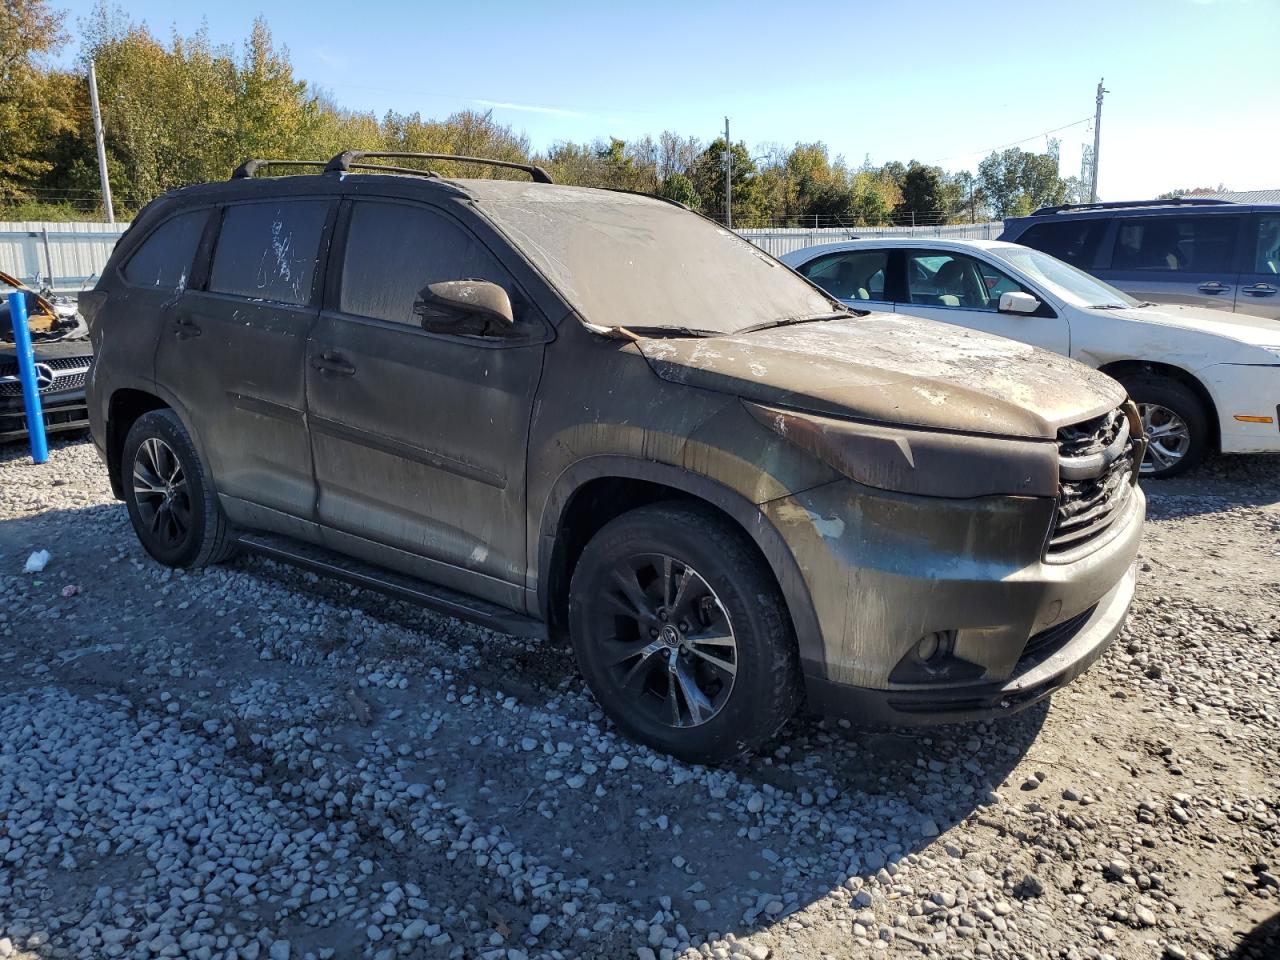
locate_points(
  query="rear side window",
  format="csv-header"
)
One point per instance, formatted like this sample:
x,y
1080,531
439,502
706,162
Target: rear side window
x,y
1176,244
394,250
853,275
1266,245
1075,241
268,251
164,258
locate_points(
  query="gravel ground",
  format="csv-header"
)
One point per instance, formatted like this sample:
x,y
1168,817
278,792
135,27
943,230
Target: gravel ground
x,y
249,762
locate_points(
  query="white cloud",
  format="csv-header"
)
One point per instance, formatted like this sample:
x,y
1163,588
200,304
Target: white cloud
x,y
529,108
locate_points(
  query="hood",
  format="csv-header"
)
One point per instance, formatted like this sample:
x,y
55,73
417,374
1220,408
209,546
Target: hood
x,y
896,369
1242,327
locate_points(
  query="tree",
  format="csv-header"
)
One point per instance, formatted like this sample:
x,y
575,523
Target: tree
x,y
29,118
709,176
922,197
680,188
1017,182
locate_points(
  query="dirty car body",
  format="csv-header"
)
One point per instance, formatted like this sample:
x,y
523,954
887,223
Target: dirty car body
x,y
904,520
60,343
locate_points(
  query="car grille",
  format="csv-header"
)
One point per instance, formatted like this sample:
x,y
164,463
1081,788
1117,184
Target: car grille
x,y
1096,466
68,373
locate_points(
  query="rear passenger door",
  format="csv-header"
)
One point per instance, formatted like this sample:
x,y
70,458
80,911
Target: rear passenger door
x,y
232,350
1176,259
419,433
857,278
1258,288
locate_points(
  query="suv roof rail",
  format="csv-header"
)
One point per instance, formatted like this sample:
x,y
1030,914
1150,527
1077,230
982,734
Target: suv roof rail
x,y
1122,204
247,169
347,160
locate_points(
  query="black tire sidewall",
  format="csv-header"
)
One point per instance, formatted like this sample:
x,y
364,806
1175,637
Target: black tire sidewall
x,y
165,425
1181,400
763,693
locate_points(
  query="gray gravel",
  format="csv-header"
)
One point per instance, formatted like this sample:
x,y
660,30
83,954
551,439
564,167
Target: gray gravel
x,y
249,762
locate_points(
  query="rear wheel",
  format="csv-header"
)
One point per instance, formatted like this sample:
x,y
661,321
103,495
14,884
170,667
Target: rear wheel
x,y
1175,422
682,634
170,497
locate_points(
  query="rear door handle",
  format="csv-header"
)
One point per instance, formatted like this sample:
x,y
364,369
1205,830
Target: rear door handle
x,y
1259,290
1213,286
330,361
184,328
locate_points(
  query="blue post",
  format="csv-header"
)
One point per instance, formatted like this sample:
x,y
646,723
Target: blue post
x,y
27,374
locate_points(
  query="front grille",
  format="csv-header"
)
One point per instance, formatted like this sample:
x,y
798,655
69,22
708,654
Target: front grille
x,y
69,373
1096,470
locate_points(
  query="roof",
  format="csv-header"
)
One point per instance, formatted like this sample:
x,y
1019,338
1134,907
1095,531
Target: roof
x,y
1245,196
876,243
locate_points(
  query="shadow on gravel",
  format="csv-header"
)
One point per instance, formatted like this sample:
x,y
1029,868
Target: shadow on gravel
x,y
1218,483
1260,943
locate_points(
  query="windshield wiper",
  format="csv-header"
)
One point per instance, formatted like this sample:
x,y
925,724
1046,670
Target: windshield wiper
x,y
644,332
791,321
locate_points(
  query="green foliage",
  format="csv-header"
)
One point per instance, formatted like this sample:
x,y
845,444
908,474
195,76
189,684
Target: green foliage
x,y
680,188
708,177
1016,182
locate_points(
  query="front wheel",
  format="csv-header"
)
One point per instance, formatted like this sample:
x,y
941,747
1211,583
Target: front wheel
x,y
1175,423
682,634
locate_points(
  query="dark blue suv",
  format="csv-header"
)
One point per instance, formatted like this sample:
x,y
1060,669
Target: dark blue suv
x,y
1194,250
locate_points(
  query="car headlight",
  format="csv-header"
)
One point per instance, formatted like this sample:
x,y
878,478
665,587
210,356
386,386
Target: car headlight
x,y
923,462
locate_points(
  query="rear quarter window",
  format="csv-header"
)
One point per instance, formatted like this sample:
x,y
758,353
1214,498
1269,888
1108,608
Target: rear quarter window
x,y
269,251
1074,241
163,260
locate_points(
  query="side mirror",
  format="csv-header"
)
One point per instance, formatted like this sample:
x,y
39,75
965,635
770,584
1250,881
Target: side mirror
x,y
447,302
1015,301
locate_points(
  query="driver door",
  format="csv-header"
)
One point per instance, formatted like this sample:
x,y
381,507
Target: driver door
x,y
419,434
965,290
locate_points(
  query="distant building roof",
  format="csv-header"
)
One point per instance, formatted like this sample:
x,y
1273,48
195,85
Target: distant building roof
x,y
1246,196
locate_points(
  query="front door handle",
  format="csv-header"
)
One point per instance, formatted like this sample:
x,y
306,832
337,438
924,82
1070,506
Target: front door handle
x,y
1259,290
1213,286
330,361
184,328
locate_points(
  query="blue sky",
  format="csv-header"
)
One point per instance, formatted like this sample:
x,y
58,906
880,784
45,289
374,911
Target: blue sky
x,y
1193,96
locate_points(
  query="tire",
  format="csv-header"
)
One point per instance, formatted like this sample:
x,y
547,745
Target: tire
x,y
170,495
1163,403
662,677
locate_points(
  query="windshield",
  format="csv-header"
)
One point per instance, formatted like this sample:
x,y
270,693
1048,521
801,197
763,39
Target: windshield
x,y
636,262
1065,280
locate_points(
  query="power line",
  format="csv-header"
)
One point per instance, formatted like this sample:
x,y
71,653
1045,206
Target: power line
x,y
1034,136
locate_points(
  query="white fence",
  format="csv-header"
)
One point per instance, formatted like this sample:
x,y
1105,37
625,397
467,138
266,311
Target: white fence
x,y
61,256
778,241
69,256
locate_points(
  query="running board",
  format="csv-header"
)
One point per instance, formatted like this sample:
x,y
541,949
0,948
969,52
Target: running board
x,y
337,566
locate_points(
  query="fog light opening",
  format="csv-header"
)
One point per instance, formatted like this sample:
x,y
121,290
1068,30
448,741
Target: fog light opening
x,y
934,647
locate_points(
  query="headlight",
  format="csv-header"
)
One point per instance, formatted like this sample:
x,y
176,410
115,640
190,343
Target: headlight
x,y
922,462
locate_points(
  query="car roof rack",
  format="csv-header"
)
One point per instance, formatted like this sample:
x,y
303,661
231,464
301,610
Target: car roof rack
x,y
348,160
247,169
1124,204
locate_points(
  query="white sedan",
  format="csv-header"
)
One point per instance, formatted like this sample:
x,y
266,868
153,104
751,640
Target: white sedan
x,y
1202,379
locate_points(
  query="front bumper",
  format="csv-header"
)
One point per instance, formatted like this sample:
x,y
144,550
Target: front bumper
x,y
1089,638
1251,391
884,570
62,411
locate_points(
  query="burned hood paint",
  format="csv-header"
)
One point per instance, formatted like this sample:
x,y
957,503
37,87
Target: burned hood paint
x,y
891,368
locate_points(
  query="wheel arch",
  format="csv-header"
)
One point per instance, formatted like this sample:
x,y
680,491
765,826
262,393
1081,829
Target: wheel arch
x,y
124,407
592,492
1119,369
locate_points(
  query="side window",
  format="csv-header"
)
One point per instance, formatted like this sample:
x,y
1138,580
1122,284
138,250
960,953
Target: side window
x,y
394,250
1266,250
1202,244
164,258
937,279
268,251
852,275
1075,241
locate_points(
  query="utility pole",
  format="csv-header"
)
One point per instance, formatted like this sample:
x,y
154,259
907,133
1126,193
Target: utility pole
x,y
1097,133
101,142
728,178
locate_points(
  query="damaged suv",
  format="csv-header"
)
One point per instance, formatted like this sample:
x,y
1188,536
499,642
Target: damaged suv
x,y
60,343
598,417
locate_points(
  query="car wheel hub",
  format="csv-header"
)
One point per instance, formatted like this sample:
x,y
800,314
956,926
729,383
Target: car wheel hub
x,y
160,492
666,639
1168,437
